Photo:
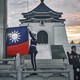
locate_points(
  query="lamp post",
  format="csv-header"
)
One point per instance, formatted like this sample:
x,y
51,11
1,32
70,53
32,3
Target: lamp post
x,y
3,24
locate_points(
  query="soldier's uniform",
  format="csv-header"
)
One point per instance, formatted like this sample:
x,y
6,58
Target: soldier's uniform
x,y
74,60
32,50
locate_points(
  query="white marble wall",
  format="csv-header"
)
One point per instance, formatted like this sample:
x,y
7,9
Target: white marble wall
x,y
56,32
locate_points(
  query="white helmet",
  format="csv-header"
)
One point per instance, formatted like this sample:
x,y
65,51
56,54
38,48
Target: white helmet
x,y
34,33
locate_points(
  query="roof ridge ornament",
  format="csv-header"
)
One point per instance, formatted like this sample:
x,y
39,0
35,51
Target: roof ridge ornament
x,y
42,1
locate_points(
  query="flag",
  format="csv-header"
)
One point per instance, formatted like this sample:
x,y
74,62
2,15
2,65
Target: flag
x,y
17,41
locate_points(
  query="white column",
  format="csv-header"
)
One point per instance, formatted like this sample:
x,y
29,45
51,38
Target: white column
x,y
60,36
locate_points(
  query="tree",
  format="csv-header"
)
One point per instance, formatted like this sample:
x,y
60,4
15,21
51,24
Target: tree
x,y
72,42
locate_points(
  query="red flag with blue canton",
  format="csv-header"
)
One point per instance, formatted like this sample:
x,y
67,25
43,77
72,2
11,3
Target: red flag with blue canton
x,y
17,40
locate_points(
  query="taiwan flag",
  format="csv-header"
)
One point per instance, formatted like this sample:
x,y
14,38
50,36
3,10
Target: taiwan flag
x,y
17,41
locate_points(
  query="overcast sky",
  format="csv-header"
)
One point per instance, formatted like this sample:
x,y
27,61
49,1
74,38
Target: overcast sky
x,y
70,9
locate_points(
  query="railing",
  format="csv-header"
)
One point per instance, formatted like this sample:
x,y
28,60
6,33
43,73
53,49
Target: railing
x,y
68,72
17,69
19,72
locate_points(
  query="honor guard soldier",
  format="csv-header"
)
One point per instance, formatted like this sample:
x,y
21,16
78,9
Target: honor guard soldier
x,y
74,60
32,50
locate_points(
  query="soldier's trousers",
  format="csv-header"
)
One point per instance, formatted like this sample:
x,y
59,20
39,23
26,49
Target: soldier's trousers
x,y
76,75
33,61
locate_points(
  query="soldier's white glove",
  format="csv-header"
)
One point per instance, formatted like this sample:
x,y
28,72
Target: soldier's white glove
x,y
29,28
77,70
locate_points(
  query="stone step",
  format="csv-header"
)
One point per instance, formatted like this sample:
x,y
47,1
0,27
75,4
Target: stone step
x,y
34,78
46,64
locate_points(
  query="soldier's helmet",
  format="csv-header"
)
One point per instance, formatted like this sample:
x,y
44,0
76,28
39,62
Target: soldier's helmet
x,y
34,33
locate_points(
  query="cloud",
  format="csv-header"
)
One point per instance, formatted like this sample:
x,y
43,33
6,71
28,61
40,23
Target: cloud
x,y
73,33
72,19
68,7
16,8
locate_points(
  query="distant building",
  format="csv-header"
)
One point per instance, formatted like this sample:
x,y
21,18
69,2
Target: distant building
x,y
49,26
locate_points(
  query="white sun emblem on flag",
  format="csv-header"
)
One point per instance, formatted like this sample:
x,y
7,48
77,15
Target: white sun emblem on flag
x,y
14,36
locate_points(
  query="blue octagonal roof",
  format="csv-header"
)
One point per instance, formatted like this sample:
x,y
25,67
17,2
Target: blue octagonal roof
x,y
42,12
42,8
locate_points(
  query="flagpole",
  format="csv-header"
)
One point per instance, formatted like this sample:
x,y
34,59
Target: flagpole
x,y
28,10
4,27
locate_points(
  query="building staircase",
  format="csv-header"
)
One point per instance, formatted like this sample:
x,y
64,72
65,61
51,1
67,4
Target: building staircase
x,y
58,52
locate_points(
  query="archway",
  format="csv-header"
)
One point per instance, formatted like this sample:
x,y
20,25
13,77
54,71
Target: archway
x,y
42,37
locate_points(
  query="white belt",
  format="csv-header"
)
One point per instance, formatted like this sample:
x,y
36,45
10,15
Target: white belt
x,y
33,45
